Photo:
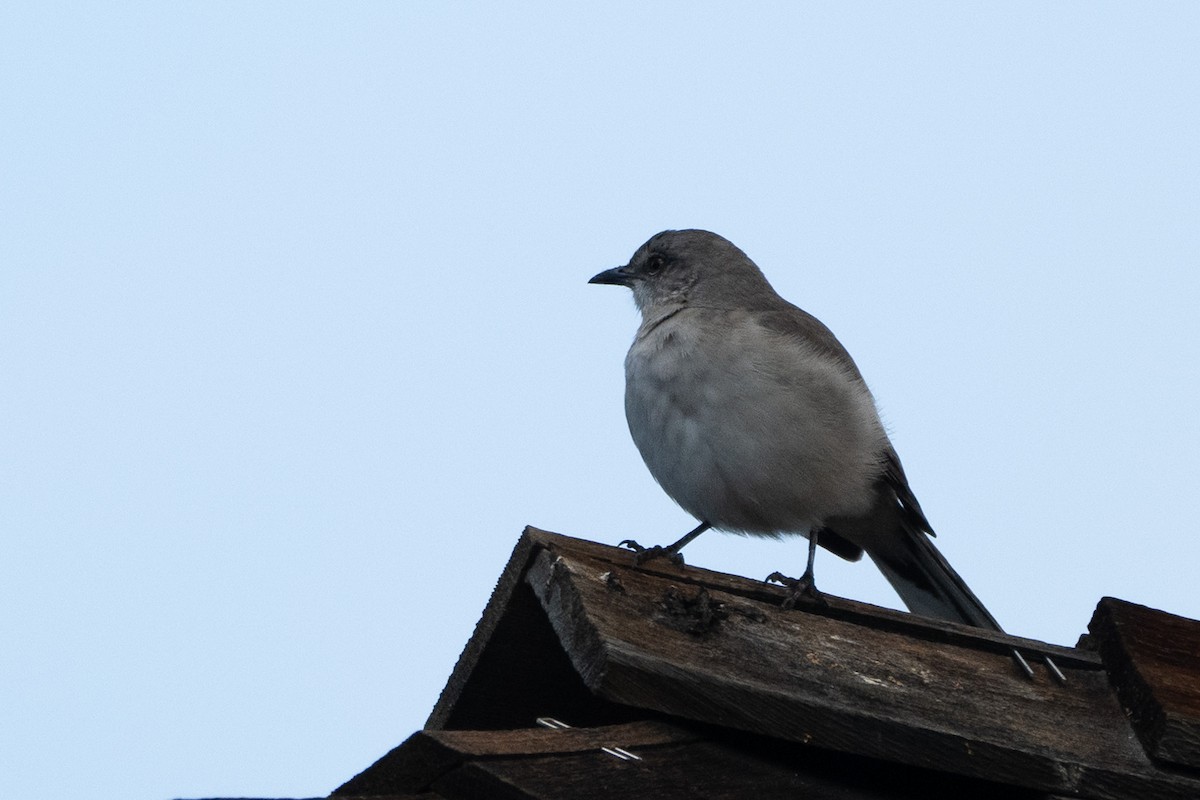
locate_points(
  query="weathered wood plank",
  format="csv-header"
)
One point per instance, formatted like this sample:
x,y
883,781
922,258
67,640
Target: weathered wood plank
x,y
917,627
649,640
426,756
509,581
409,768
1153,659
672,763
683,772
550,741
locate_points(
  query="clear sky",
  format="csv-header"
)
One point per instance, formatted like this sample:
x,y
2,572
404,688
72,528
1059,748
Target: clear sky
x,y
295,334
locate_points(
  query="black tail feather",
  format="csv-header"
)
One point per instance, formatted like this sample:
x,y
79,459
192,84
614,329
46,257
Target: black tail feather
x,y
927,583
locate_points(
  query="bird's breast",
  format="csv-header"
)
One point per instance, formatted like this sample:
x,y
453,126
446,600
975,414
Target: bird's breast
x,y
747,430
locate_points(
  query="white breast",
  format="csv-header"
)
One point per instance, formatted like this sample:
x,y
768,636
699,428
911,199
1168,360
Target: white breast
x,y
750,430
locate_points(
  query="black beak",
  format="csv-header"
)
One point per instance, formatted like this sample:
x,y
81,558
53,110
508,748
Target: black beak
x,y
617,276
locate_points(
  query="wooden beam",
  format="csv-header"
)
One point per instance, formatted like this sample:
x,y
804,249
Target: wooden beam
x,y
680,642
1153,659
659,760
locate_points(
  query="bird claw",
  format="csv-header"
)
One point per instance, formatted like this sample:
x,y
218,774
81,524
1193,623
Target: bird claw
x,y
644,554
802,588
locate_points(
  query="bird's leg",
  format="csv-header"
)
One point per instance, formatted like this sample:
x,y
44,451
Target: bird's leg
x,y
670,552
805,586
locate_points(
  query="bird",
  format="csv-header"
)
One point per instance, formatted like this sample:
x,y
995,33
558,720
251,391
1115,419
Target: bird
x,y
754,418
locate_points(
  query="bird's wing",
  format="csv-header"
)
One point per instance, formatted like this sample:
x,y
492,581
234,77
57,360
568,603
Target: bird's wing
x,y
792,321
839,545
893,476
788,320
921,575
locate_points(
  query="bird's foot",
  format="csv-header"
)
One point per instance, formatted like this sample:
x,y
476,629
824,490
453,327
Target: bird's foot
x,y
644,554
802,588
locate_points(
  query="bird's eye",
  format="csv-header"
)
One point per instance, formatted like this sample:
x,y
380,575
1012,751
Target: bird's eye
x,y
654,264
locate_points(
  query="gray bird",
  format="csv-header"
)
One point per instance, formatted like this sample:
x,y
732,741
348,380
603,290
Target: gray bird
x,y
753,417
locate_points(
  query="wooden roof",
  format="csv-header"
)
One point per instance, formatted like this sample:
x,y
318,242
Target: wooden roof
x,y
685,683
722,693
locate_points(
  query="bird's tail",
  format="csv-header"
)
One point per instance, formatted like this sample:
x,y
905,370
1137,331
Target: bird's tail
x,y
926,582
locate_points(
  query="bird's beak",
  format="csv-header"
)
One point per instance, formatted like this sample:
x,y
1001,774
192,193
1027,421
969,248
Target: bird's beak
x,y
617,276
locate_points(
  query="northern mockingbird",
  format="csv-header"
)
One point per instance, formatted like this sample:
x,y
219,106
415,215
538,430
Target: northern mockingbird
x,y
754,418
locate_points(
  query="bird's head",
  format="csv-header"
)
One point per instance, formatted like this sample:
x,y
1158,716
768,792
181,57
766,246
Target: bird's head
x,y
689,268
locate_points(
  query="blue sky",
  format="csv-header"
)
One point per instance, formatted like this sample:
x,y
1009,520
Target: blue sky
x,y
296,336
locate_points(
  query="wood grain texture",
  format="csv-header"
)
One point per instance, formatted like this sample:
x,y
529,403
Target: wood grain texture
x,y
579,631
913,626
1154,661
674,762
952,701
425,757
